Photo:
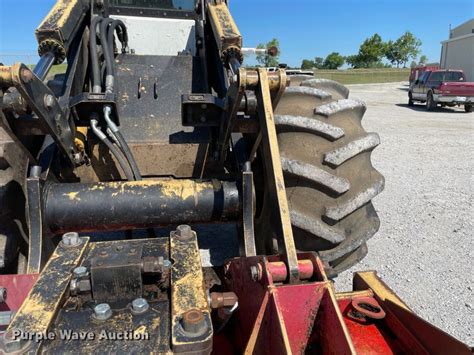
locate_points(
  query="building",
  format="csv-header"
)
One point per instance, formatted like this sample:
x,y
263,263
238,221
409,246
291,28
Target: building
x,y
458,51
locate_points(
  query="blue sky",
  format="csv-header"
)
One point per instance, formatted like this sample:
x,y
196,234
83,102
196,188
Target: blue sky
x,y
305,28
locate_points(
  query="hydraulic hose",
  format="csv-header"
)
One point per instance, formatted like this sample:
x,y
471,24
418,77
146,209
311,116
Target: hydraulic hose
x,y
108,55
96,79
119,26
122,143
114,150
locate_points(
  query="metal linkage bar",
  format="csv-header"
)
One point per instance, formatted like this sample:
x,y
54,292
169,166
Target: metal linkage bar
x,y
138,204
191,324
274,175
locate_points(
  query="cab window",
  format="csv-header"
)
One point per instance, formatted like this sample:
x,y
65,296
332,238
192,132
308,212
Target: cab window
x,y
436,77
453,76
183,5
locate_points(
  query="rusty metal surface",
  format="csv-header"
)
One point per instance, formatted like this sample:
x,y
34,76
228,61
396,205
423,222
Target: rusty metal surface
x,y
274,177
188,294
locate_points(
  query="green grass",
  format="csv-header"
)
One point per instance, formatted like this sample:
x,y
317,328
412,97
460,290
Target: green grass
x,y
364,76
55,69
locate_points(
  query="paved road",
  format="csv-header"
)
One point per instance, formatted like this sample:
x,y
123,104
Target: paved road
x,y
424,249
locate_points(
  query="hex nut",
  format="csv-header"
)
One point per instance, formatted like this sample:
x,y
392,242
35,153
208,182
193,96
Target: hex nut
x,y
140,305
194,323
71,239
80,271
184,232
102,311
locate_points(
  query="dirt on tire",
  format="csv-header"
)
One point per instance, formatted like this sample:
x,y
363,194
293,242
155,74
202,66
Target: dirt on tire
x,y
329,178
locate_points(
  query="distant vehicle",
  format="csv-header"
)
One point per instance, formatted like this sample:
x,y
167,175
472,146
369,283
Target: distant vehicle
x,y
416,72
444,87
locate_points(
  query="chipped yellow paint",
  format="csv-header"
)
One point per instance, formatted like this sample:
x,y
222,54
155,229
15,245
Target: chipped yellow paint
x,y
72,196
170,188
41,305
141,330
382,291
60,12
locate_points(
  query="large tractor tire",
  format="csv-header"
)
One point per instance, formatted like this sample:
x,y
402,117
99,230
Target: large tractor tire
x,y
329,178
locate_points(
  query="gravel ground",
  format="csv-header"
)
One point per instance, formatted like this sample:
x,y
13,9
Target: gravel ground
x,y
424,249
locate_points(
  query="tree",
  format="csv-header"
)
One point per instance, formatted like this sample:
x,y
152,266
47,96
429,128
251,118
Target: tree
x,y
413,64
371,50
392,53
265,59
333,61
354,61
318,62
408,46
423,60
307,64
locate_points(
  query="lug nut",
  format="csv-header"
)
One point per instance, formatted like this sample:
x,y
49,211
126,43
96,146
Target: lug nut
x,y
194,323
102,311
80,271
184,232
140,305
71,239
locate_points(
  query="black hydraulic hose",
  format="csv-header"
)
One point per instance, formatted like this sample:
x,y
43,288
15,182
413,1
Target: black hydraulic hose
x,y
121,142
105,48
118,26
113,149
96,79
128,155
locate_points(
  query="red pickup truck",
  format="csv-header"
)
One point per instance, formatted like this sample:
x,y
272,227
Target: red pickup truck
x,y
444,87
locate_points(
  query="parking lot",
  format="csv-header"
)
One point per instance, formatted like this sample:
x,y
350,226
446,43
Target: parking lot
x,y
424,249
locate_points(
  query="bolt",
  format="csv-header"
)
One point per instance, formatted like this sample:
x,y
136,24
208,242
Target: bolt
x,y
80,271
194,323
254,273
12,341
140,305
48,101
71,239
77,158
184,232
3,294
222,299
102,311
